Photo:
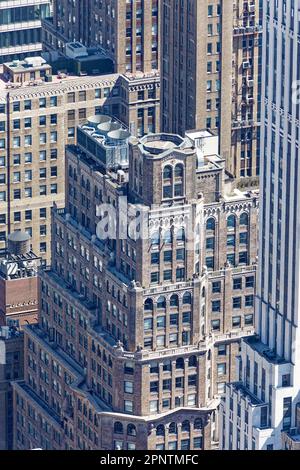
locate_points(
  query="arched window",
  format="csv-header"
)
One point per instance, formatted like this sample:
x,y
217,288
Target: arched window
x,y
185,426
174,301
231,221
179,171
198,424
193,361
148,305
173,428
179,363
187,298
161,302
155,238
203,292
167,236
244,219
167,172
160,430
180,236
211,224
131,430
118,428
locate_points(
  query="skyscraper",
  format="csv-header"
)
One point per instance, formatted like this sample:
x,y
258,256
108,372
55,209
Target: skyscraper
x,y
210,76
11,368
128,30
262,410
136,337
20,28
38,117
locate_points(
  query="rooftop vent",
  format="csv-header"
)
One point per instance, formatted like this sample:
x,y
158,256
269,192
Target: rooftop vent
x,y
94,121
107,127
120,134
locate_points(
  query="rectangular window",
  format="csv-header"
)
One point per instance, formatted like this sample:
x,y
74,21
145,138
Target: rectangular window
x,y
215,324
27,105
28,215
221,369
249,319
237,302
43,102
53,101
53,119
237,283
249,301
128,387
82,95
161,322
17,216
216,287
148,324
180,254
216,306
17,194
222,350
155,258
155,278
249,282
236,322
287,412
128,406
186,317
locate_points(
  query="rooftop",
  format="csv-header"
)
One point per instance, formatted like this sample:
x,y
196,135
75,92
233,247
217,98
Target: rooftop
x,y
9,332
239,387
264,350
157,144
30,63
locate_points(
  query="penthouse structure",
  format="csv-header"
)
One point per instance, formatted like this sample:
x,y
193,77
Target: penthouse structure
x,y
150,290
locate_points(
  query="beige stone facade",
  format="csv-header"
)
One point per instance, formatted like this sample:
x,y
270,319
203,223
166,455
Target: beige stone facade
x,y
210,76
128,31
37,122
127,353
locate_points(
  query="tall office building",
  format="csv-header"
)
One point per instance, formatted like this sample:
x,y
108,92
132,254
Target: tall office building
x,y
39,113
262,410
136,337
210,76
20,28
11,368
128,30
